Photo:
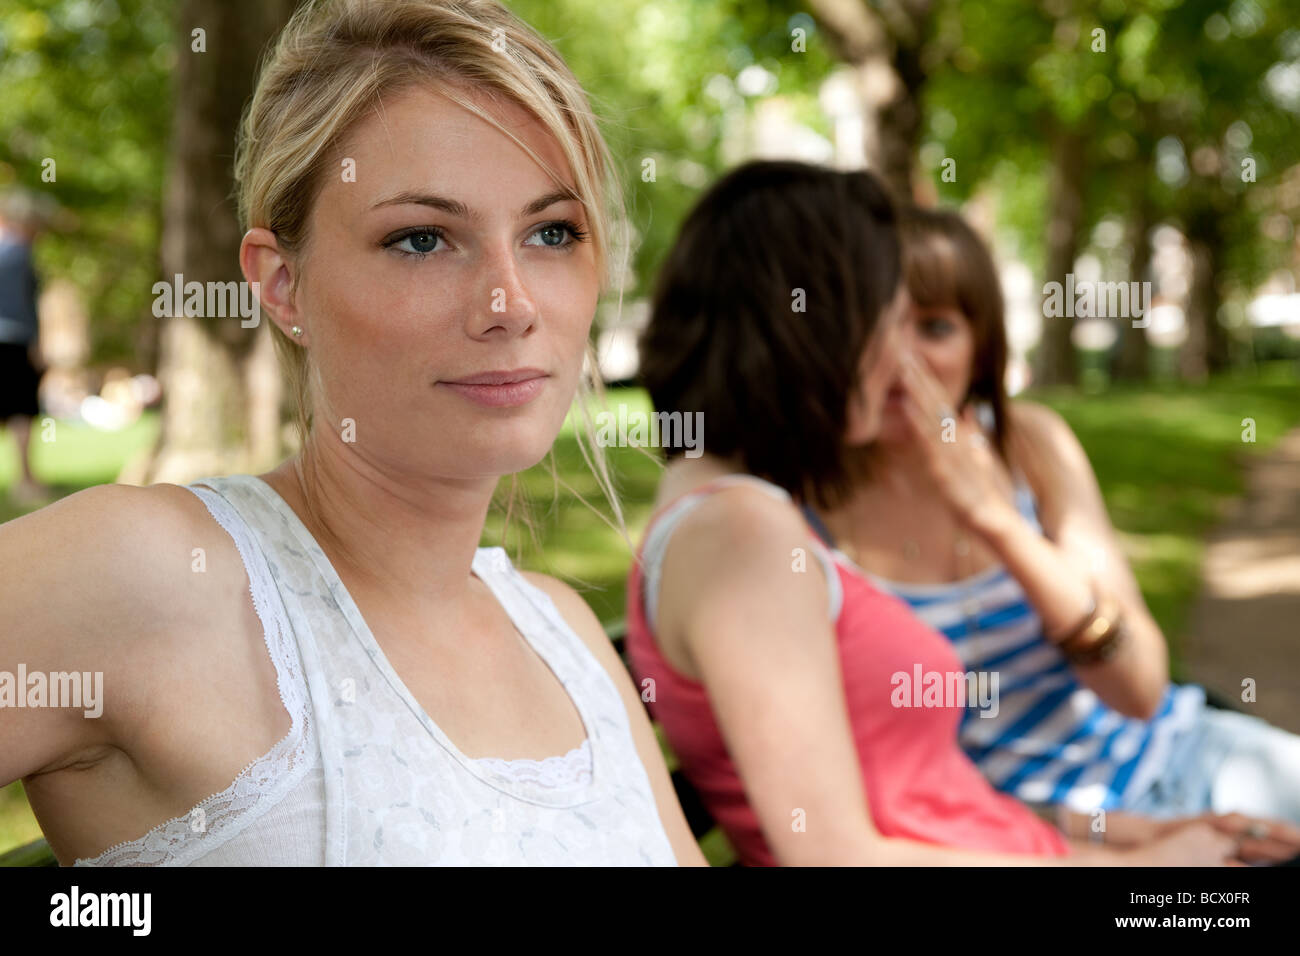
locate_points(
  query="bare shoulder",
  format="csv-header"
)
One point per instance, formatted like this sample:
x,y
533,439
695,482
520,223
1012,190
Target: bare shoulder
x,y
120,532
98,582
1038,422
735,545
1054,461
1042,443
744,514
126,513
735,538
113,563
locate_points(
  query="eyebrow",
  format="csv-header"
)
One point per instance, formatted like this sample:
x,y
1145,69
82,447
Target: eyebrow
x,y
455,207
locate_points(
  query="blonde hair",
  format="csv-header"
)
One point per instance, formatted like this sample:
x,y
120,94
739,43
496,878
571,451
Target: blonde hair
x,y
331,65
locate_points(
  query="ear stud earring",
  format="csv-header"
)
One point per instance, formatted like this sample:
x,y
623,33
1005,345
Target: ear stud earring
x,y
297,331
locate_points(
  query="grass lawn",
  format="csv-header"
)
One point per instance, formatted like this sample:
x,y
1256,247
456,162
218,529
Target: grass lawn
x,y
75,456
1167,459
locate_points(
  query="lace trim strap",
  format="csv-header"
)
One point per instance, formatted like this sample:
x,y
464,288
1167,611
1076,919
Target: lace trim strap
x,y
261,784
570,769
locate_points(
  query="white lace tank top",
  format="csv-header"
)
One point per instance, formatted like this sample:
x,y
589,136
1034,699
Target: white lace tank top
x,y
364,776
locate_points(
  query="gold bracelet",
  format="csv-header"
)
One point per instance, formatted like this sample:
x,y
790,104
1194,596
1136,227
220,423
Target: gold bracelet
x,y
1088,618
1099,640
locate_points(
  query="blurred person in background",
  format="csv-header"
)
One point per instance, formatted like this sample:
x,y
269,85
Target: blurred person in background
x,y
770,661
21,220
984,514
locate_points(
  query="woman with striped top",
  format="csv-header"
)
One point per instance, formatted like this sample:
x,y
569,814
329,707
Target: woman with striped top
x,y
769,662
985,516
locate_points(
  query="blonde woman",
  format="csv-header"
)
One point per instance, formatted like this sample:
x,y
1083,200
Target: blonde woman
x,y
351,679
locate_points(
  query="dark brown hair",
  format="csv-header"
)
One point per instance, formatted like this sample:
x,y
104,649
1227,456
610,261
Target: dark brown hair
x,y
762,312
946,264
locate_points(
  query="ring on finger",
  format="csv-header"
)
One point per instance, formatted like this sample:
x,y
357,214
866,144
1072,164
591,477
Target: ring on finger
x,y
1257,831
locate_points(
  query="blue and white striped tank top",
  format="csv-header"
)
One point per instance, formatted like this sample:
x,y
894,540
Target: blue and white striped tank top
x,y
1052,740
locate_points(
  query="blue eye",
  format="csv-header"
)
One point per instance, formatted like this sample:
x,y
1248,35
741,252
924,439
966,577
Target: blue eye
x,y
553,231
423,241
935,328
557,231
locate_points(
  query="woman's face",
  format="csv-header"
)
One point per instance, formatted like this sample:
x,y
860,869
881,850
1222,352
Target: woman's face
x,y
877,372
445,303
941,338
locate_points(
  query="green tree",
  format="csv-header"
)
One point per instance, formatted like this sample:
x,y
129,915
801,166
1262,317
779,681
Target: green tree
x,y
84,117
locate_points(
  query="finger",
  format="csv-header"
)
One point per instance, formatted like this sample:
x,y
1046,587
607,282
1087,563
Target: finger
x,y
938,422
926,426
932,396
913,389
1264,851
1283,831
1258,829
925,378
1232,822
918,380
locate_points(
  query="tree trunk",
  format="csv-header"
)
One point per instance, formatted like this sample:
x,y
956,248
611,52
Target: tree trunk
x,y
1206,348
1056,359
886,59
1132,361
221,410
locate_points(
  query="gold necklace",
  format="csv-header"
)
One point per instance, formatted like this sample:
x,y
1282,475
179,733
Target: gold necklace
x,y
970,607
912,550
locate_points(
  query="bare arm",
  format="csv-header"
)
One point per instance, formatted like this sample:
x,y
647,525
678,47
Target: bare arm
x,y
580,617
1081,543
1078,542
75,589
758,634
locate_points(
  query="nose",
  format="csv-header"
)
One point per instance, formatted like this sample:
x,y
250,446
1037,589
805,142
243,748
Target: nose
x,y
505,305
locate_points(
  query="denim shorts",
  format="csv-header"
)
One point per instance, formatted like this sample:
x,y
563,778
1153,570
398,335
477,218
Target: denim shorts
x,y
1227,762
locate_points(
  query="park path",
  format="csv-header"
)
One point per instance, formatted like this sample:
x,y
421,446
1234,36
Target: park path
x,y
1246,620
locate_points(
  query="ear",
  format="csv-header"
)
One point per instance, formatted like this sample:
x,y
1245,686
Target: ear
x,y
271,272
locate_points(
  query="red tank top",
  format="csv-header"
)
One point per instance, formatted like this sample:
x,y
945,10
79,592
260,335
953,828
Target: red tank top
x,y
919,784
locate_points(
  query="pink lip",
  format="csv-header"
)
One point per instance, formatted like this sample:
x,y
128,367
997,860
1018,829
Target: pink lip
x,y
500,389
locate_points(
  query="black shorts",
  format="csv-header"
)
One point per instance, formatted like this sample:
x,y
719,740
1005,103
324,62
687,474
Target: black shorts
x,y
18,382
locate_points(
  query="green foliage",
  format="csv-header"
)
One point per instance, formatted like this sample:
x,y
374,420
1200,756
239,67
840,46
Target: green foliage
x,y
1191,84
86,84
17,824
661,74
